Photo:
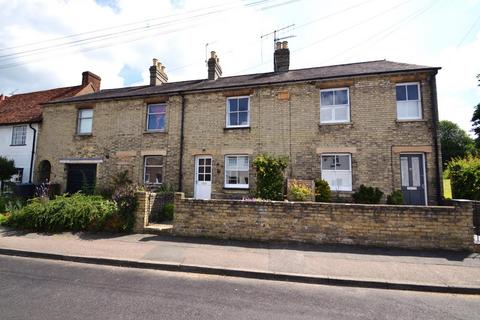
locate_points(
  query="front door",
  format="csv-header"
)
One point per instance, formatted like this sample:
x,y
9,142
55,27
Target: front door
x,y
203,177
81,177
413,179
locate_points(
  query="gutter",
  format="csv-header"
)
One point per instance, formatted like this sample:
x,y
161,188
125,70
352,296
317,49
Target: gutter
x,y
245,86
436,145
182,138
33,153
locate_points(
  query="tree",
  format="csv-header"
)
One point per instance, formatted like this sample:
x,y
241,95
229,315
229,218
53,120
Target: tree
x,y
7,170
476,121
455,141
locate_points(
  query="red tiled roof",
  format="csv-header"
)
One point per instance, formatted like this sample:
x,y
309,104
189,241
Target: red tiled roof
x,y
26,107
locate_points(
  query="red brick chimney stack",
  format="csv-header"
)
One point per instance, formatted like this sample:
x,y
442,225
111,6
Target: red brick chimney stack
x,y
89,77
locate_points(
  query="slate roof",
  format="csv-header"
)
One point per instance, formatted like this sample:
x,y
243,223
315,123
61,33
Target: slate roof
x,y
26,107
251,80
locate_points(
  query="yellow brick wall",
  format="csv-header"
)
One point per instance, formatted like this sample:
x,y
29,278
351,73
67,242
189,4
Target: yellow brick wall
x,y
284,120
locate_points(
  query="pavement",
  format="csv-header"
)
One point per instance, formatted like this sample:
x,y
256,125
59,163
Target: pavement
x,y
434,271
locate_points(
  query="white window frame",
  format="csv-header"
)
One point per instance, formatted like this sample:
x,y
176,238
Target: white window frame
x,y
335,105
79,121
164,114
227,113
419,100
350,164
236,186
23,137
153,166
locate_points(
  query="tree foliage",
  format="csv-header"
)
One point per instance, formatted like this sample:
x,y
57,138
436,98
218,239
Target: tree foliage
x,y
465,178
455,141
7,169
476,121
270,176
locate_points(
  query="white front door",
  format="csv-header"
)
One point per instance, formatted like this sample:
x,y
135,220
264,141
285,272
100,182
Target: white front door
x,y
203,177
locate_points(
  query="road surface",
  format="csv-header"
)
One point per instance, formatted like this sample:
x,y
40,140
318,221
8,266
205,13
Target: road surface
x,y
43,289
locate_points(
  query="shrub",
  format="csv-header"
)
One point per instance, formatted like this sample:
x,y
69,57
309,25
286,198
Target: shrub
x,y
3,204
465,178
270,176
369,195
396,198
322,191
164,188
168,211
299,191
3,219
74,213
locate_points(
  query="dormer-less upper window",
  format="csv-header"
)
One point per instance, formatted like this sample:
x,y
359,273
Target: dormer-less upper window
x,y
238,112
19,135
85,121
334,106
409,105
156,114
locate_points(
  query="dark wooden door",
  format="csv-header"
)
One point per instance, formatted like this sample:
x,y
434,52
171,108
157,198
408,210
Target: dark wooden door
x,y
413,178
81,177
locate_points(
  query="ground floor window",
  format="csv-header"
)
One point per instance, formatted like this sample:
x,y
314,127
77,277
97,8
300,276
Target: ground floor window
x,y
18,176
153,170
337,171
236,171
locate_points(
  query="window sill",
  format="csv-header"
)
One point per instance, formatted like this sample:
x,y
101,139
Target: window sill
x,y
410,120
154,131
335,123
236,188
18,145
83,135
237,128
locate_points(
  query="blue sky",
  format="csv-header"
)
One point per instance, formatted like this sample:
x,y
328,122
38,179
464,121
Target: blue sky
x,y
428,32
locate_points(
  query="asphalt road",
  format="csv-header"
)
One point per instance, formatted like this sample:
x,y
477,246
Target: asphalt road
x,y
42,289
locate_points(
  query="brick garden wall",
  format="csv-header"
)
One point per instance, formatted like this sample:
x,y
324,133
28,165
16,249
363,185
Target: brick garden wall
x,y
327,223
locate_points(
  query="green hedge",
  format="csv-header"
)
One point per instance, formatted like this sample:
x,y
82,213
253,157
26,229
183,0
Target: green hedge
x,y
66,213
465,178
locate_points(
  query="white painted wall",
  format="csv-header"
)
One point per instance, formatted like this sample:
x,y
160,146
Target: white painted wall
x,y
20,154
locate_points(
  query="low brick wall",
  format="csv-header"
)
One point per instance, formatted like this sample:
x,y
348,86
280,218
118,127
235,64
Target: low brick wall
x,y
412,227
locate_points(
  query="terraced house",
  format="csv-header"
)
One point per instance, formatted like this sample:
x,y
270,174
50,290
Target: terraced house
x,y
21,119
372,123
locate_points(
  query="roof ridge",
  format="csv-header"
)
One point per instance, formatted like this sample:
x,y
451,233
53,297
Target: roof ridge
x,y
40,91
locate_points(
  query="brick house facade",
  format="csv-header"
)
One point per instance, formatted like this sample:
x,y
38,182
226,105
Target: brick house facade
x,y
377,127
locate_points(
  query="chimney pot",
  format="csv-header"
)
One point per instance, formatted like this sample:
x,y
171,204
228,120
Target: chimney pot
x,y
281,57
157,73
89,77
214,69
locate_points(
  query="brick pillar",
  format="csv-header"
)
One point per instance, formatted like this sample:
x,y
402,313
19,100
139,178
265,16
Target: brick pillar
x,y
141,214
